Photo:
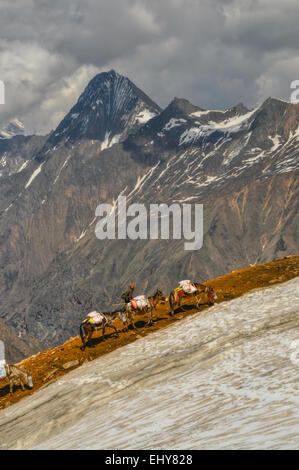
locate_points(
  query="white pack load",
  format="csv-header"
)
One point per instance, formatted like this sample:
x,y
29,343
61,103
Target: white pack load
x,y
2,369
187,287
95,317
140,301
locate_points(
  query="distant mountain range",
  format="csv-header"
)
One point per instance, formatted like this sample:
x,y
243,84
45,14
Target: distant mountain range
x,y
14,127
241,164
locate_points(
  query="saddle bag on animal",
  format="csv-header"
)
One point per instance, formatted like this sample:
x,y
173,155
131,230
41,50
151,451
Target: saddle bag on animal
x,y
212,295
95,318
139,302
187,287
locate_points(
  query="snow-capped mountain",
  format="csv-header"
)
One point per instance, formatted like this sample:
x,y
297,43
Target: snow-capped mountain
x,y
239,163
14,127
109,108
16,153
17,149
209,148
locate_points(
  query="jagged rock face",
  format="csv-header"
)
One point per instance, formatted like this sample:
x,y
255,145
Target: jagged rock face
x,y
240,164
17,346
110,107
17,151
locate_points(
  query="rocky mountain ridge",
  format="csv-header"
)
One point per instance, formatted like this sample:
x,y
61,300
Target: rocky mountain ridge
x,y
240,164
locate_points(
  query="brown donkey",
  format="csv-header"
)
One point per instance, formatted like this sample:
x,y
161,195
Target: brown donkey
x,y
87,329
175,296
146,305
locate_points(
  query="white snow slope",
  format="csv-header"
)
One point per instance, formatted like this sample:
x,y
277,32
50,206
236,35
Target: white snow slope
x,y
225,378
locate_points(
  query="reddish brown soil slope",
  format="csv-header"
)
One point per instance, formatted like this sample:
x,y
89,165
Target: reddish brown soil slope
x,y
47,366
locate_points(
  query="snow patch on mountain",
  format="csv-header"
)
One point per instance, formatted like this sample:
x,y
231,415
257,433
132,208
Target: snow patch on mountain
x,y
173,122
23,166
34,175
144,116
13,128
109,141
276,142
64,164
229,125
206,111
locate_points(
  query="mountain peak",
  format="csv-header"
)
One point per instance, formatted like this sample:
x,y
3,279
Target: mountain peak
x,y
182,106
240,108
14,127
274,102
277,103
109,108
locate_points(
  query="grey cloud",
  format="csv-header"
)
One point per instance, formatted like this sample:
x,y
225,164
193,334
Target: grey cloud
x,y
215,53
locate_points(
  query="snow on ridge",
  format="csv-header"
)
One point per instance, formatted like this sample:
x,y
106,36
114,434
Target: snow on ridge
x,y
145,115
83,233
18,123
10,205
13,128
65,162
276,142
34,175
174,122
283,101
109,141
207,111
115,139
23,166
233,124
105,143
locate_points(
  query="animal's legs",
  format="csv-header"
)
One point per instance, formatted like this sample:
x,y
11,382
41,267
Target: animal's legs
x,y
171,304
131,317
126,318
125,322
115,329
103,332
89,336
180,304
83,336
150,322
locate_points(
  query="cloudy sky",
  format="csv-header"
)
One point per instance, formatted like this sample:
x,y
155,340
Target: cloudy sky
x,y
216,53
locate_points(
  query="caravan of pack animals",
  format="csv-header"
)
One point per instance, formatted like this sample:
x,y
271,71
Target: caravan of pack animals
x,y
126,311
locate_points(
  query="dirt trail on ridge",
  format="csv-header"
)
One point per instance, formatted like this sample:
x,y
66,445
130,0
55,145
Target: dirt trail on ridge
x,y
50,364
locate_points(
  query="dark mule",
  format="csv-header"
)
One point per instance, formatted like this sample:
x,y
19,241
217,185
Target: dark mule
x,y
149,305
176,295
87,328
